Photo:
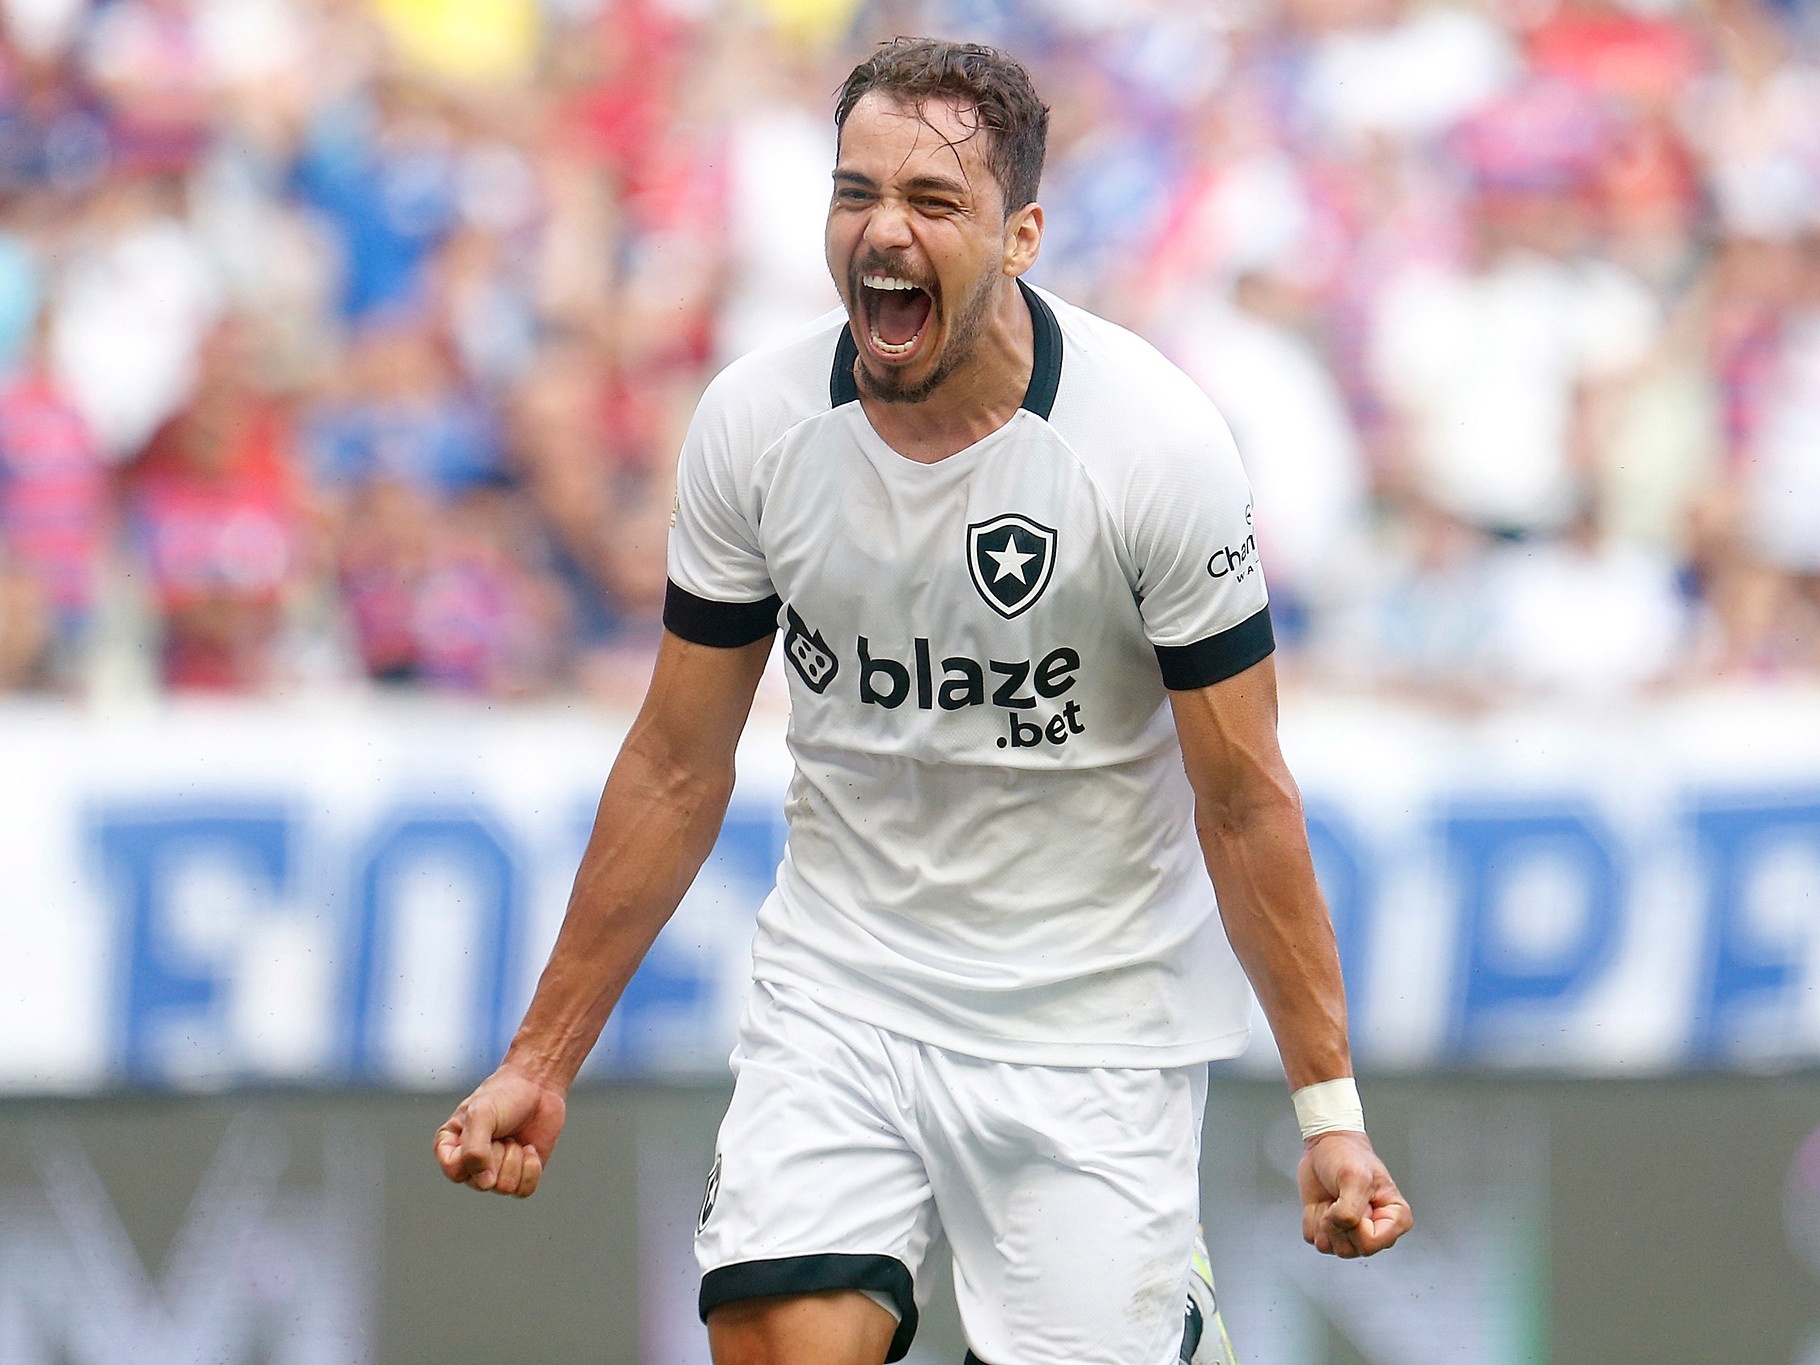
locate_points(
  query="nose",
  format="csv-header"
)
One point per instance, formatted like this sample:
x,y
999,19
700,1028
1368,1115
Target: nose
x,y
888,225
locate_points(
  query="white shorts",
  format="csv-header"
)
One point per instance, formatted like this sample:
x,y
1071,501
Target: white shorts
x,y
1068,1197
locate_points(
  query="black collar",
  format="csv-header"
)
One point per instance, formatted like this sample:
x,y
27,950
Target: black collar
x,y
1045,361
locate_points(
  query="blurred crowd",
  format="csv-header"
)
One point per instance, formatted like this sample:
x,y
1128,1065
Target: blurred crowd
x,y
350,342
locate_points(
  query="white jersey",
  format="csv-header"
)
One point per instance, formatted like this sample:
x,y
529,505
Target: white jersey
x,y
991,842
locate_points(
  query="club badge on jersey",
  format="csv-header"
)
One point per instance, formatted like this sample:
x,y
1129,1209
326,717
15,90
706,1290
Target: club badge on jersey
x,y
1011,558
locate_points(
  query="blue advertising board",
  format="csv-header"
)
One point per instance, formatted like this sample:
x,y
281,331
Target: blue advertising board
x,y
214,895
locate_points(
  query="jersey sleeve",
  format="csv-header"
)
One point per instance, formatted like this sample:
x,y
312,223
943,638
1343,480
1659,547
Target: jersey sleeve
x,y
720,592
1199,584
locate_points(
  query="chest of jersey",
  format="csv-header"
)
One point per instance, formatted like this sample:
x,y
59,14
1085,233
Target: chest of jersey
x,y
979,609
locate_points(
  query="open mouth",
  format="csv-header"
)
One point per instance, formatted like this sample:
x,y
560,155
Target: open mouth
x,y
896,313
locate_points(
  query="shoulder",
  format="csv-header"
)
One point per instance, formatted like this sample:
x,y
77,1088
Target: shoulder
x,y
1131,416
764,393
1121,399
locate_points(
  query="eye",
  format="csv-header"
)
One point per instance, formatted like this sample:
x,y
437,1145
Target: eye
x,y
852,194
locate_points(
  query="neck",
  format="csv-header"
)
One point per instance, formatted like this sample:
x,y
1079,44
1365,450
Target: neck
x,y
973,402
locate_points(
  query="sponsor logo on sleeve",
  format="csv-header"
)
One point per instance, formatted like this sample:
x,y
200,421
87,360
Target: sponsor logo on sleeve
x,y
1234,561
1237,562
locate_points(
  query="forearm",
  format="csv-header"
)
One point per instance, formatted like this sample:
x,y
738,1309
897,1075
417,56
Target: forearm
x,y
656,824
1278,925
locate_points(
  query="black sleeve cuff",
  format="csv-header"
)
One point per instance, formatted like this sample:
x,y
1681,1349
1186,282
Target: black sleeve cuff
x,y
1218,657
722,625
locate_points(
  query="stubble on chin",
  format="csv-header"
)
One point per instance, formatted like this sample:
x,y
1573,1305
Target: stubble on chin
x,y
889,389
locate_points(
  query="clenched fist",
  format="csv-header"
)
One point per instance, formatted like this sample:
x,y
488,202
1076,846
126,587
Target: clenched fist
x,y
1350,1205
500,1137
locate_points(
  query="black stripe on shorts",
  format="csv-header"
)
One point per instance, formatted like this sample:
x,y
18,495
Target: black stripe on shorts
x,y
1218,657
812,1275
722,625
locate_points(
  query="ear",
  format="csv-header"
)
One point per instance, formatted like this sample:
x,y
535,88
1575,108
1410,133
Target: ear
x,y
1023,239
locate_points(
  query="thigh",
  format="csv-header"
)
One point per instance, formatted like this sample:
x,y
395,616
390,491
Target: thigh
x,y
816,1193
1070,1198
841,1327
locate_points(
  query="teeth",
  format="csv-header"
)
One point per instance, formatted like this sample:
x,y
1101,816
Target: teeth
x,y
896,284
903,348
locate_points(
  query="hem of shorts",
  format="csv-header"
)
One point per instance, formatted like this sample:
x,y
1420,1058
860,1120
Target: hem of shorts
x,y
1017,1051
785,1275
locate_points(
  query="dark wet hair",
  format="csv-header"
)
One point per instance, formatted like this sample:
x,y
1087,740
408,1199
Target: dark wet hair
x,y
993,86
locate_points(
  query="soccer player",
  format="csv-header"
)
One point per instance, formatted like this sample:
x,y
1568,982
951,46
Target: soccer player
x,y
1032,709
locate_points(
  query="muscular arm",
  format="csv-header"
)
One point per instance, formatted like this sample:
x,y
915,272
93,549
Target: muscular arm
x,y
1248,815
657,822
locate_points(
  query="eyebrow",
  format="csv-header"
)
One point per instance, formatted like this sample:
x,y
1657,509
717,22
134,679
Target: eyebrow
x,y
937,183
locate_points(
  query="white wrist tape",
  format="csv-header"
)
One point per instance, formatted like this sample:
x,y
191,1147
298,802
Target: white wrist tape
x,y
1330,1107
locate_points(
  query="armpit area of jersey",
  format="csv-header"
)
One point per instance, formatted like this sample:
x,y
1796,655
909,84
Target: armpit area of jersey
x,y
721,625
1218,657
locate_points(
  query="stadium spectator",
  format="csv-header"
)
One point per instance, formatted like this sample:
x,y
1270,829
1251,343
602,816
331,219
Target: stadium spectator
x,y
1295,436
25,630
484,619
382,552
1780,490
1487,364
54,131
220,518
136,295
564,448
1583,617
1639,66
1422,632
380,168
776,200
146,57
483,299
53,519
1483,269
448,594
1757,124
406,415
1398,71
1109,175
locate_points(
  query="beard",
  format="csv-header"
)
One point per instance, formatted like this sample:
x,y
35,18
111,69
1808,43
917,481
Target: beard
x,y
959,347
